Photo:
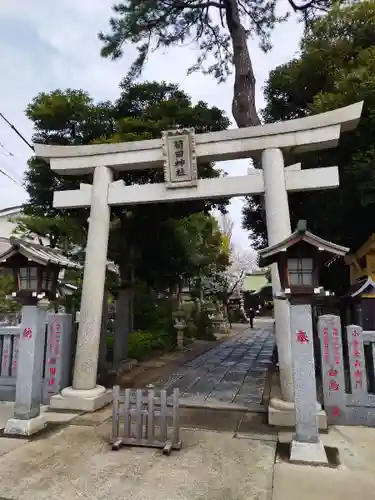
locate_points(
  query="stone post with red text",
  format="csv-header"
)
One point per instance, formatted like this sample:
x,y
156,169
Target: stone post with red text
x,y
27,419
58,362
306,445
333,378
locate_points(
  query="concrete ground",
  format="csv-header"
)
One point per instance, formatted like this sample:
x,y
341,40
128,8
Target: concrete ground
x,y
236,462
77,462
353,478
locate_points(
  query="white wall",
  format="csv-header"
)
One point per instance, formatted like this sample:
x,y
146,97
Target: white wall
x,y
7,226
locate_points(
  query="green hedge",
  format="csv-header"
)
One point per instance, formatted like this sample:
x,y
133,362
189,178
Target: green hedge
x,y
141,343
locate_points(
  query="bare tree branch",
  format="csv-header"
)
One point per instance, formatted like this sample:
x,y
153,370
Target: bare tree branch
x,y
305,6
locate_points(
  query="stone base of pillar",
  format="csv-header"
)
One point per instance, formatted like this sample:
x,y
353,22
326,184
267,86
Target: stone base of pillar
x,y
308,453
18,427
282,414
84,400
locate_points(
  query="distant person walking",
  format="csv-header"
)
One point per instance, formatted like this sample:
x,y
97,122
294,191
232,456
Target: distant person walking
x,y
251,317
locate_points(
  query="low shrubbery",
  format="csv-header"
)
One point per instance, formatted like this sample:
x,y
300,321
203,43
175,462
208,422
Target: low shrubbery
x,y
153,322
141,344
154,319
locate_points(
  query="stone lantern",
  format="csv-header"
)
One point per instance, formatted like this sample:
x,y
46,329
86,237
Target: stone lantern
x,y
180,325
36,269
299,258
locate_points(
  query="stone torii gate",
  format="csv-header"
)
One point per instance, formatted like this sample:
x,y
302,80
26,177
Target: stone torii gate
x,y
264,142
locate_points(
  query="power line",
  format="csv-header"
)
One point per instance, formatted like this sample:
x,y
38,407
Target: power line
x,y
7,154
6,151
17,132
11,178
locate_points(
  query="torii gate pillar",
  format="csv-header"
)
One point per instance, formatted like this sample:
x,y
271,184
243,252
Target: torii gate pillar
x,y
278,228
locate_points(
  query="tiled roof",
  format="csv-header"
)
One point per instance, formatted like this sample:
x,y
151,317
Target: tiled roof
x,y
38,253
301,234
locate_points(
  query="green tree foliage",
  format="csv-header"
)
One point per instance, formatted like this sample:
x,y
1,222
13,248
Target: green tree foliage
x,y
67,117
7,287
201,237
144,240
220,29
336,67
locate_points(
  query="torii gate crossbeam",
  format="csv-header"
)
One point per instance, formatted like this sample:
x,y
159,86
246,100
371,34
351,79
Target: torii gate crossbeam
x,y
245,185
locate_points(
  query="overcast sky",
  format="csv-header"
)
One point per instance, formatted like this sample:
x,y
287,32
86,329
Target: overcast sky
x,y
46,45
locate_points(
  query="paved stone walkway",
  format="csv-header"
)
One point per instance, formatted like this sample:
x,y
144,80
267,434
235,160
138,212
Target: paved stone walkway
x,y
232,374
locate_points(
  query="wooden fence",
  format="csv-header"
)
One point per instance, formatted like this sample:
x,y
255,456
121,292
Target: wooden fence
x,y
145,418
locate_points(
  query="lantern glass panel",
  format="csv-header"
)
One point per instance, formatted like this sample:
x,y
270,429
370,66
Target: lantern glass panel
x,y
48,277
28,278
300,272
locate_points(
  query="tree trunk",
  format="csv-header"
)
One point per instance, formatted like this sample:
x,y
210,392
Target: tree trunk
x,y
122,327
225,309
201,294
131,305
243,104
124,320
179,292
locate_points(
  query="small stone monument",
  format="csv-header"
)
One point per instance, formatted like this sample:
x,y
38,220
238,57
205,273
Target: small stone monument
x,y
180,325
298,258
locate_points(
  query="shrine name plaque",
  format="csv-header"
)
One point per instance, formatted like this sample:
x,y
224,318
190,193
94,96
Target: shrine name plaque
x,y
180,160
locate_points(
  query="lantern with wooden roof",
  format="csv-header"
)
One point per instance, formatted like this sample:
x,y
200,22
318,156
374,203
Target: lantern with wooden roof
x,y
299,258
35,268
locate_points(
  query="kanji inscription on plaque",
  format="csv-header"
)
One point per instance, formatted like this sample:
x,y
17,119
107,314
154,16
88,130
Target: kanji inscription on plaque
x,y
180,161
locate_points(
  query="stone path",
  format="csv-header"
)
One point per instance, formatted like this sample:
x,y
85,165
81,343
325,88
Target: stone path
x,y
232,374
